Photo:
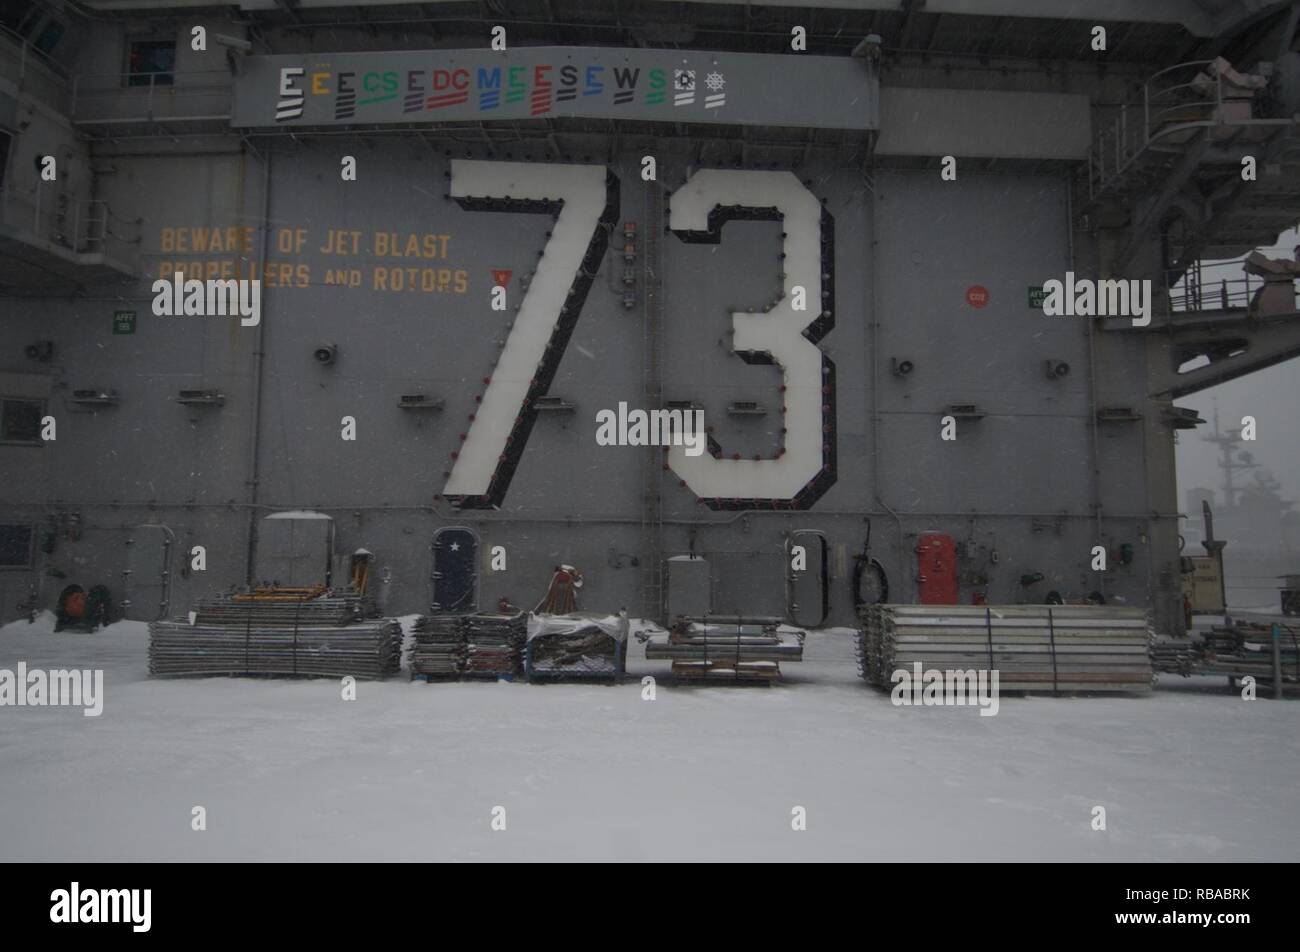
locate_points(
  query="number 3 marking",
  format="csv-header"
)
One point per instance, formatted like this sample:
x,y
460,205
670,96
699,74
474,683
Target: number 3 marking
x,y
586,197
805,469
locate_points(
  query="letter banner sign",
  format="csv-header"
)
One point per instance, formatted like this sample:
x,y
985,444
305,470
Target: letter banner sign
x,y
542,82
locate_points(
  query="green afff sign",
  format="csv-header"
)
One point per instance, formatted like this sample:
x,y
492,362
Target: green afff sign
x,y
124,322
1036,298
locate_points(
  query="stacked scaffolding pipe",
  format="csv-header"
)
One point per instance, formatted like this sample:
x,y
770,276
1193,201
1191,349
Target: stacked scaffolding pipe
x,y
1034,648
439,649
494,644
481,645
327,636
730,648
1236,650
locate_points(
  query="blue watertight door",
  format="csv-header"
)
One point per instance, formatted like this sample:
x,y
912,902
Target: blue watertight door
x,y
455,570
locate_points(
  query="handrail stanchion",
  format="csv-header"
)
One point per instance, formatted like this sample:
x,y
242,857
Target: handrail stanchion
x,y
1146,113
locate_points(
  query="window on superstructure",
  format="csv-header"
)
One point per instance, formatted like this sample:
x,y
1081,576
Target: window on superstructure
x,y
20,421
49,36
15,547
151,62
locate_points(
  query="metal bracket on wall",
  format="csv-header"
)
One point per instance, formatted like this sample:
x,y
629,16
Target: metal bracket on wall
x,y
95,398
201,398
418,401
1118,415
554,403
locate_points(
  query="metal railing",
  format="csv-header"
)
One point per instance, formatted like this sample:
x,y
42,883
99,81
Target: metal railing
x,y
1228,287
32,71
1174,101
108,98
82,226
32,210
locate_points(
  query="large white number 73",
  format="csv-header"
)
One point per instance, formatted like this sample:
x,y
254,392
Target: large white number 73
x,y
799,475
586,198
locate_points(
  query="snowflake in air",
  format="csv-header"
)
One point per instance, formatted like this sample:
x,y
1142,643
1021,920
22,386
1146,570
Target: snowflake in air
x,y
715,82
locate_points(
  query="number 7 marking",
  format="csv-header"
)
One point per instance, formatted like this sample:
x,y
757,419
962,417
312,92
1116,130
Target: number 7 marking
x,y
586,197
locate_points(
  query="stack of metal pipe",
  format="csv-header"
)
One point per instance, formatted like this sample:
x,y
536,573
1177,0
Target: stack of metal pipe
x,y
1034,648
1174,655
323,637
727,647
439,648
1236,650
494,643
329,608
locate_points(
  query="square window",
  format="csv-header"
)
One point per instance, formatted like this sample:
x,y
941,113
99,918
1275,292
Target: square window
x,y
20,421
49,37
15,547
151,62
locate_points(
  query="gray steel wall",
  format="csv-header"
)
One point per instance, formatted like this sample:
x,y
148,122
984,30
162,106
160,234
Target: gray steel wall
x,y
1018,481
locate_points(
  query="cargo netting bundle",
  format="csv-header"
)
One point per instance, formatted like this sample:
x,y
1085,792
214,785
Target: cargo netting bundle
x,y
1034,648
579,646
727,648
484,645
329,634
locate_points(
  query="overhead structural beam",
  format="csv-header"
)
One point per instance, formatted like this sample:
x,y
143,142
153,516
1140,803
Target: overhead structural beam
x,y
1220,204
1190,14
1178,178
1266,343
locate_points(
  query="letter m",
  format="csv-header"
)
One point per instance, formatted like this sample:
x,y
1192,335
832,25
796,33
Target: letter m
x,y
68,686
226,293
117,900
1112,298
489,78
961,686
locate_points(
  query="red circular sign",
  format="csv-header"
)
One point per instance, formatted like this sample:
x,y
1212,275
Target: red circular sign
x,y
977,295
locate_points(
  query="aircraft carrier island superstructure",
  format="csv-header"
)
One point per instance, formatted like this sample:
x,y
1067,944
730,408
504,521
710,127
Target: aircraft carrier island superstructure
x,y
920,269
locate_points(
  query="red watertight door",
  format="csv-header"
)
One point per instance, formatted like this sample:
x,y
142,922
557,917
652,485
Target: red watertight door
x,y
937,569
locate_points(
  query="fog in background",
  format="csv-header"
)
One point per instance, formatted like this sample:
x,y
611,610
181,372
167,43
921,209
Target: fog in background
x,y
1271,396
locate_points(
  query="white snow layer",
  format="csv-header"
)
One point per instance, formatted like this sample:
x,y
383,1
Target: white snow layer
x,y
287,770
